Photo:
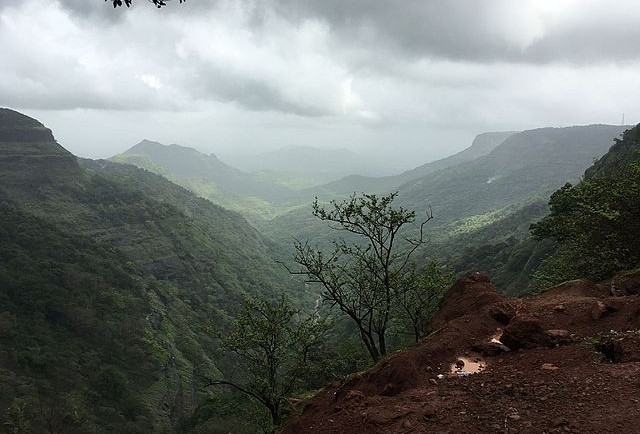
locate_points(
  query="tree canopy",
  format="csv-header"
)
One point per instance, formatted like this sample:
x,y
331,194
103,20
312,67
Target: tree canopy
x,y
270,344
596,223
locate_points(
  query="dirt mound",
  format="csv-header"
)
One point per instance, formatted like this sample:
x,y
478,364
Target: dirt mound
x,y
473,292
574,367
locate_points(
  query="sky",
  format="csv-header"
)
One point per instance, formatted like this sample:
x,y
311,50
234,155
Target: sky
x,y
408,81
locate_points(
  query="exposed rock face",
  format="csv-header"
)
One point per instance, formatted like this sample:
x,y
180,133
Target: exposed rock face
x,y
16,127
30,158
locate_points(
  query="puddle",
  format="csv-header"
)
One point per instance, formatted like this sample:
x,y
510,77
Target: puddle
x,y
468,365
473,363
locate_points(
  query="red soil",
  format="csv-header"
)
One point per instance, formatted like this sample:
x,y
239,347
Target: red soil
x,y
577,369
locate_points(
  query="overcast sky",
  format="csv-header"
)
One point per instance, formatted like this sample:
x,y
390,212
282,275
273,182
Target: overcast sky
x,y
409,80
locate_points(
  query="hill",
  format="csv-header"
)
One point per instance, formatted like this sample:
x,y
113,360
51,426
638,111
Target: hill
x,y
112,279
594,223
526,166
482,145
484,201
205,175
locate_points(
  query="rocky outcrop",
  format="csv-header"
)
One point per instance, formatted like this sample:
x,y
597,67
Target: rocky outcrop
x,y
18,128
30,158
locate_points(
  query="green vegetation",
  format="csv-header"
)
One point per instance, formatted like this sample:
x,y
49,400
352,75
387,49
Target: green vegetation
x,y
110,276
365,277
270,346
589,232
73,331
595,223
419,296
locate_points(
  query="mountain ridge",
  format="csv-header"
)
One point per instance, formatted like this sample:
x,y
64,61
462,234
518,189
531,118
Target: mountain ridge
x,y
481,145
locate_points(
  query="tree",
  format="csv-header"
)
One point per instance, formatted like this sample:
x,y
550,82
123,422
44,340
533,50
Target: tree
x,y
363,276
596,224
157,3
420,294
270,344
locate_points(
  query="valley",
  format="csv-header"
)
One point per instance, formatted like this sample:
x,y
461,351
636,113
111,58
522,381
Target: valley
x,y
121,278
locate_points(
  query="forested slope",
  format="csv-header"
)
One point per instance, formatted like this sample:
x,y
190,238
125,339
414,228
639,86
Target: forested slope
x,y
112,277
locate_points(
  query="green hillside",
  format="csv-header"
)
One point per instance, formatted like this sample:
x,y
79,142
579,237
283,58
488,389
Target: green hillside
x,y
482,145
112,277
484,206
595,223
590,232
526,166
208,177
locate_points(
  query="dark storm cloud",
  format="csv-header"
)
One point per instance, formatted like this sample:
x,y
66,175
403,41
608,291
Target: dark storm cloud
x,y
474,31
442,28
252,93
483,31
595,39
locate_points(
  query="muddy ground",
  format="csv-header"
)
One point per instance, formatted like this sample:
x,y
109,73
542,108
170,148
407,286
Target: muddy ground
x,y
573,366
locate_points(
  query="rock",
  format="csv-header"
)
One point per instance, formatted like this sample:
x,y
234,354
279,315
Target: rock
x,y
459,363
502,312
525,332
559,337
489,349
601,309
470,293
549,367
560,308
433,381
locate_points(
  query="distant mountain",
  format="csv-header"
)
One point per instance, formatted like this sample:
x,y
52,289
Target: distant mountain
x,y
526,166
111,278
206,175
322,165
482,145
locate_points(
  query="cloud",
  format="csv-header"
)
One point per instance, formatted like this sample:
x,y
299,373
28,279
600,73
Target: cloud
x,y
527,31
344,72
